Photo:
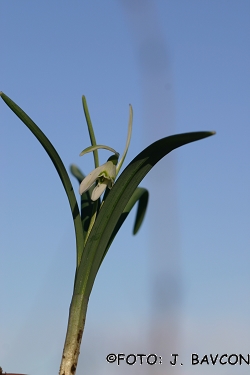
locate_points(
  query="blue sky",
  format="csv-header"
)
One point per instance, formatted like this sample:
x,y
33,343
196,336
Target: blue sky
x,y
180,285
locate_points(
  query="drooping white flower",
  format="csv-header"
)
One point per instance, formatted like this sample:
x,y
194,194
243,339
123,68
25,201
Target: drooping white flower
x,y
105,175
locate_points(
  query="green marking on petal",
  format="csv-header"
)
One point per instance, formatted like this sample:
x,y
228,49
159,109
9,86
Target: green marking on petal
x,y
105,174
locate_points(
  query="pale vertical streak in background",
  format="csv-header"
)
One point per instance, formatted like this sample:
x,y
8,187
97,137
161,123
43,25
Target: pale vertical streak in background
x,y
158,122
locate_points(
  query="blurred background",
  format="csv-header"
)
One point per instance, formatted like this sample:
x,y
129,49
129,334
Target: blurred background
x,y
181,285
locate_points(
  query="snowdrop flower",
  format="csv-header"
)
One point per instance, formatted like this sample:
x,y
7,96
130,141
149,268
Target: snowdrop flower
x,y
105,175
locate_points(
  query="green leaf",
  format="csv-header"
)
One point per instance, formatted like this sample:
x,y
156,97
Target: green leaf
x,y
77,173
91,130
142,198
55,158
140,195
86,202
116,202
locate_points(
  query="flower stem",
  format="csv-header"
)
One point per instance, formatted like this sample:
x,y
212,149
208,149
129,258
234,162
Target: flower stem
x,y
76,322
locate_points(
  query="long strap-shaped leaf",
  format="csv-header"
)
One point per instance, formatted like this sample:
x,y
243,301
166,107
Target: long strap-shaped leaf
x,y
90,129
140,195
116,201
86,202
51,151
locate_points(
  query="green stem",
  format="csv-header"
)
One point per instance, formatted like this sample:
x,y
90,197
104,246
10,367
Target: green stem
x,y
76,322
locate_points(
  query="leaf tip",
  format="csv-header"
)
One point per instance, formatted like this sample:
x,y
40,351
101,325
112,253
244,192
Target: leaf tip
x,y
135,230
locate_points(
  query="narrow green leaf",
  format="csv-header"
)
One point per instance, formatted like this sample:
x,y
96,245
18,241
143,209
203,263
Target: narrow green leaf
x,y
117,200
91,130
77,173
142,207
55,158
86,202
89,209
140,195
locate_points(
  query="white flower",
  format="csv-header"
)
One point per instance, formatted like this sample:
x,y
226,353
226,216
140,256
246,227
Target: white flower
x,y
105,175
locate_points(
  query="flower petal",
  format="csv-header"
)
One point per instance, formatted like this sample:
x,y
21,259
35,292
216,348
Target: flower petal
x,y
98,190
130,122
96,147
107,170
90,179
